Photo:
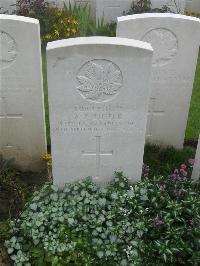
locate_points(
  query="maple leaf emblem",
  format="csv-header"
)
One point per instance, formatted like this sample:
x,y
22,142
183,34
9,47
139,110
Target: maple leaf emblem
x,y
99,81
164,43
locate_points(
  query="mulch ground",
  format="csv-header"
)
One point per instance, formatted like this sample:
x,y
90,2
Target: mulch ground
x,y
4,259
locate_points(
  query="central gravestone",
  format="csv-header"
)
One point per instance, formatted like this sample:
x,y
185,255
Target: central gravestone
x,y
175,40
98,97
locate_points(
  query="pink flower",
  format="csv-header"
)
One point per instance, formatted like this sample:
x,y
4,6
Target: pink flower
x,y
158,221
162,187
176,171
191,161
184,173
183,166
179,178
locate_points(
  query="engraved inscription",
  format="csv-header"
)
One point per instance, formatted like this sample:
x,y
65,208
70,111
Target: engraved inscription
x,y
164,43
99,80
95,119
8,50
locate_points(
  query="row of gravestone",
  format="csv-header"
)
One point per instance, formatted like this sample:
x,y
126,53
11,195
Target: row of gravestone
x,y
111,9
101,94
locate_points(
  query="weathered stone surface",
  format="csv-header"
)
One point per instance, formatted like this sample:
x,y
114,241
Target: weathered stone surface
x,y
98,97
111,9
22,126
175,39
176,6
7,6
193,5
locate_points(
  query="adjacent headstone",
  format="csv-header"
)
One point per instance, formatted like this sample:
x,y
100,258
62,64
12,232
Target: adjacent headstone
x,y
22,128
98,97
175,39
196,169
7,6
193,6
175,6
111,9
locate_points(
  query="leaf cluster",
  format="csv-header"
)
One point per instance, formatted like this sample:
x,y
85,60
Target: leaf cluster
x,y
122,224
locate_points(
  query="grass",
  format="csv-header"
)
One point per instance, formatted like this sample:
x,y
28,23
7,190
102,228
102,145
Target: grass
x,y
45,84
193,125
162,161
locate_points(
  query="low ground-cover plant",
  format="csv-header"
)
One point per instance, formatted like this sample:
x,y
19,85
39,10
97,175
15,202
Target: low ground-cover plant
x,y
153,222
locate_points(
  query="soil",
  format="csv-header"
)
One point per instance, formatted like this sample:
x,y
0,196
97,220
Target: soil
x,y
14,193
4,259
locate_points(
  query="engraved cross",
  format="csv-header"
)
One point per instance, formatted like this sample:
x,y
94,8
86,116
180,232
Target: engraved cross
x,y
6,116
152,113
98,153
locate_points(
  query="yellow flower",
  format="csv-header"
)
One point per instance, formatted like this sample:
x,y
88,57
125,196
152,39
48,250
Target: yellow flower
x,y
57,34
75,22
47,157
74,30
47,36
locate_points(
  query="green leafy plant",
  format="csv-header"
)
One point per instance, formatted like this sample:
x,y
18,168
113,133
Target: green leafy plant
x,y
82,13
61,25
35,9
153,222
101,28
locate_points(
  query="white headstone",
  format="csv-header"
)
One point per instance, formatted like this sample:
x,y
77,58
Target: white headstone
x,y
111,9
7,6
98,97
175,39
193,5
196,169
22,128
176,6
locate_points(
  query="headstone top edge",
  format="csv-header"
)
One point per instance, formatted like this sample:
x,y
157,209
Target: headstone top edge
x,y
157,15
98,41
19,18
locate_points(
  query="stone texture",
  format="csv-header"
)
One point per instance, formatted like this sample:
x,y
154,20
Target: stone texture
x,y
176,6
7,6
196,169
98,98
111,9
22,128
175,39
193,5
